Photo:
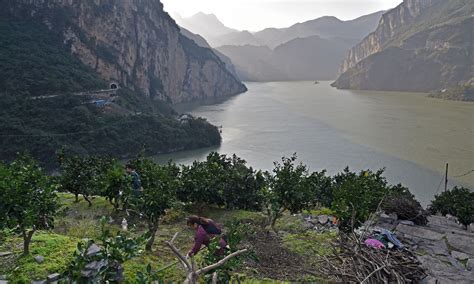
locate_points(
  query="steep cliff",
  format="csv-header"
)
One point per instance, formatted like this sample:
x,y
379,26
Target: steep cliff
x,y
421,45
135,43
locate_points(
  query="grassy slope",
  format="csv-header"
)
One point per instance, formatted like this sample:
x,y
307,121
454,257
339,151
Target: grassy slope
x,y
81,222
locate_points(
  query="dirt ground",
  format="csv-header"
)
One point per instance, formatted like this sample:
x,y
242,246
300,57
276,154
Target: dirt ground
x,y
273,260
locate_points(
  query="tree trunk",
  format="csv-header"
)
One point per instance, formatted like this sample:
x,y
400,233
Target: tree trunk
x,y
152,229
77,197
273,222
87,199
26,241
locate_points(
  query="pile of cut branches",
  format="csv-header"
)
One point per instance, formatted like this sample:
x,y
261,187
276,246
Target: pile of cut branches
x,y
353,261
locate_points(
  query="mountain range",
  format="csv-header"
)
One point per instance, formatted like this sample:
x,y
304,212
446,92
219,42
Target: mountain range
x,y
312,50
421,45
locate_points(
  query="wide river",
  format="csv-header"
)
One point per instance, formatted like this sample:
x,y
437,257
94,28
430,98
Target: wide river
x,y
409,134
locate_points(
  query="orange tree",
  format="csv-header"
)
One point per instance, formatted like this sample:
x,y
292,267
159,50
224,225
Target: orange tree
x,y
28,199
288,189
160,183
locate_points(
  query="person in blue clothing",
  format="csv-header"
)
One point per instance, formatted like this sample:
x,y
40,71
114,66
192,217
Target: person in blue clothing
x,y
135,197
136,182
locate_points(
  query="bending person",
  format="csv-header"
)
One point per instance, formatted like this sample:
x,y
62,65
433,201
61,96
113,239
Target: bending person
x,y
205,230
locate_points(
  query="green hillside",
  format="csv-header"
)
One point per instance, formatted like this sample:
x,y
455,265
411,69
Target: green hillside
x,y
36,62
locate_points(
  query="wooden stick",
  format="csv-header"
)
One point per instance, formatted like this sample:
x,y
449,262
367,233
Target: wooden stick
x,y
220,262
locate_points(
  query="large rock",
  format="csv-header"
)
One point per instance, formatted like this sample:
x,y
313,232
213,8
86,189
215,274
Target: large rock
x,y
459,255
438,248
93,250
39,259
470,264
419,232
54,277
323,219
462,243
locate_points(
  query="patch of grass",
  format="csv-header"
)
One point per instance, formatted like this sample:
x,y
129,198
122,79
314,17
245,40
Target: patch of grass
x,y
56,249
319,211
310,244
290,223
80,220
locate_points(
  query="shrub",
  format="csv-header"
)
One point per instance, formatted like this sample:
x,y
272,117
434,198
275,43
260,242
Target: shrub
x,y
458,202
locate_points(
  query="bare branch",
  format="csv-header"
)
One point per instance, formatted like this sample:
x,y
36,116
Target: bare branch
x,y
177,253
219,263
174,238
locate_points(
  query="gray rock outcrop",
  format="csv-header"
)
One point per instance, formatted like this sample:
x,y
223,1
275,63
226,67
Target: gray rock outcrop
x,y
421,45
134,43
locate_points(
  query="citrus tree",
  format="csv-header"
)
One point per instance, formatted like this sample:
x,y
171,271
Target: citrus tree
x,y
117,186
242,186
289,189
357,195
84,175
203,182
160,184
28,199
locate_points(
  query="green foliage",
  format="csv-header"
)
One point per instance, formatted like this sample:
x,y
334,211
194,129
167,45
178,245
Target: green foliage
x,y
322,188
202,182
289,189
222,181
236,232
460,93
114,251
117,185
160,185
29,201
43,126
36,62
85,175
458,202
358,195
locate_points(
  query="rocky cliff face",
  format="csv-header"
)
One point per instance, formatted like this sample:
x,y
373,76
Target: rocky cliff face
x,y
135,43
389,26
420,45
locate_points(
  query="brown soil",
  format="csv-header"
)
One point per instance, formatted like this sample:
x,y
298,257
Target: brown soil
x,y
273,260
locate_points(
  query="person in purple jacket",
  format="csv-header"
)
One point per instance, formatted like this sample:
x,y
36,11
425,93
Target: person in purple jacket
x,y
204,230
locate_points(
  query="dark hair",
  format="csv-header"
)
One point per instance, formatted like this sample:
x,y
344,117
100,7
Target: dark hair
x,y
129,166
194,219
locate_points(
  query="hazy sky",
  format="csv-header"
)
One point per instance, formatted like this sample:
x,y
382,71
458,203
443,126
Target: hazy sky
x,y
258,14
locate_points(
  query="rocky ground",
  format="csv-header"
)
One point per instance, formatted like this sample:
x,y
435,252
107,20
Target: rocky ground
x,y
444,248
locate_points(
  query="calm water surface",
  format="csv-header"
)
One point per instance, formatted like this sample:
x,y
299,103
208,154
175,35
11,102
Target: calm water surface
x,y
412,136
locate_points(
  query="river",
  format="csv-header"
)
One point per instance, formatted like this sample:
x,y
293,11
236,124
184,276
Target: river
x,y
409,134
